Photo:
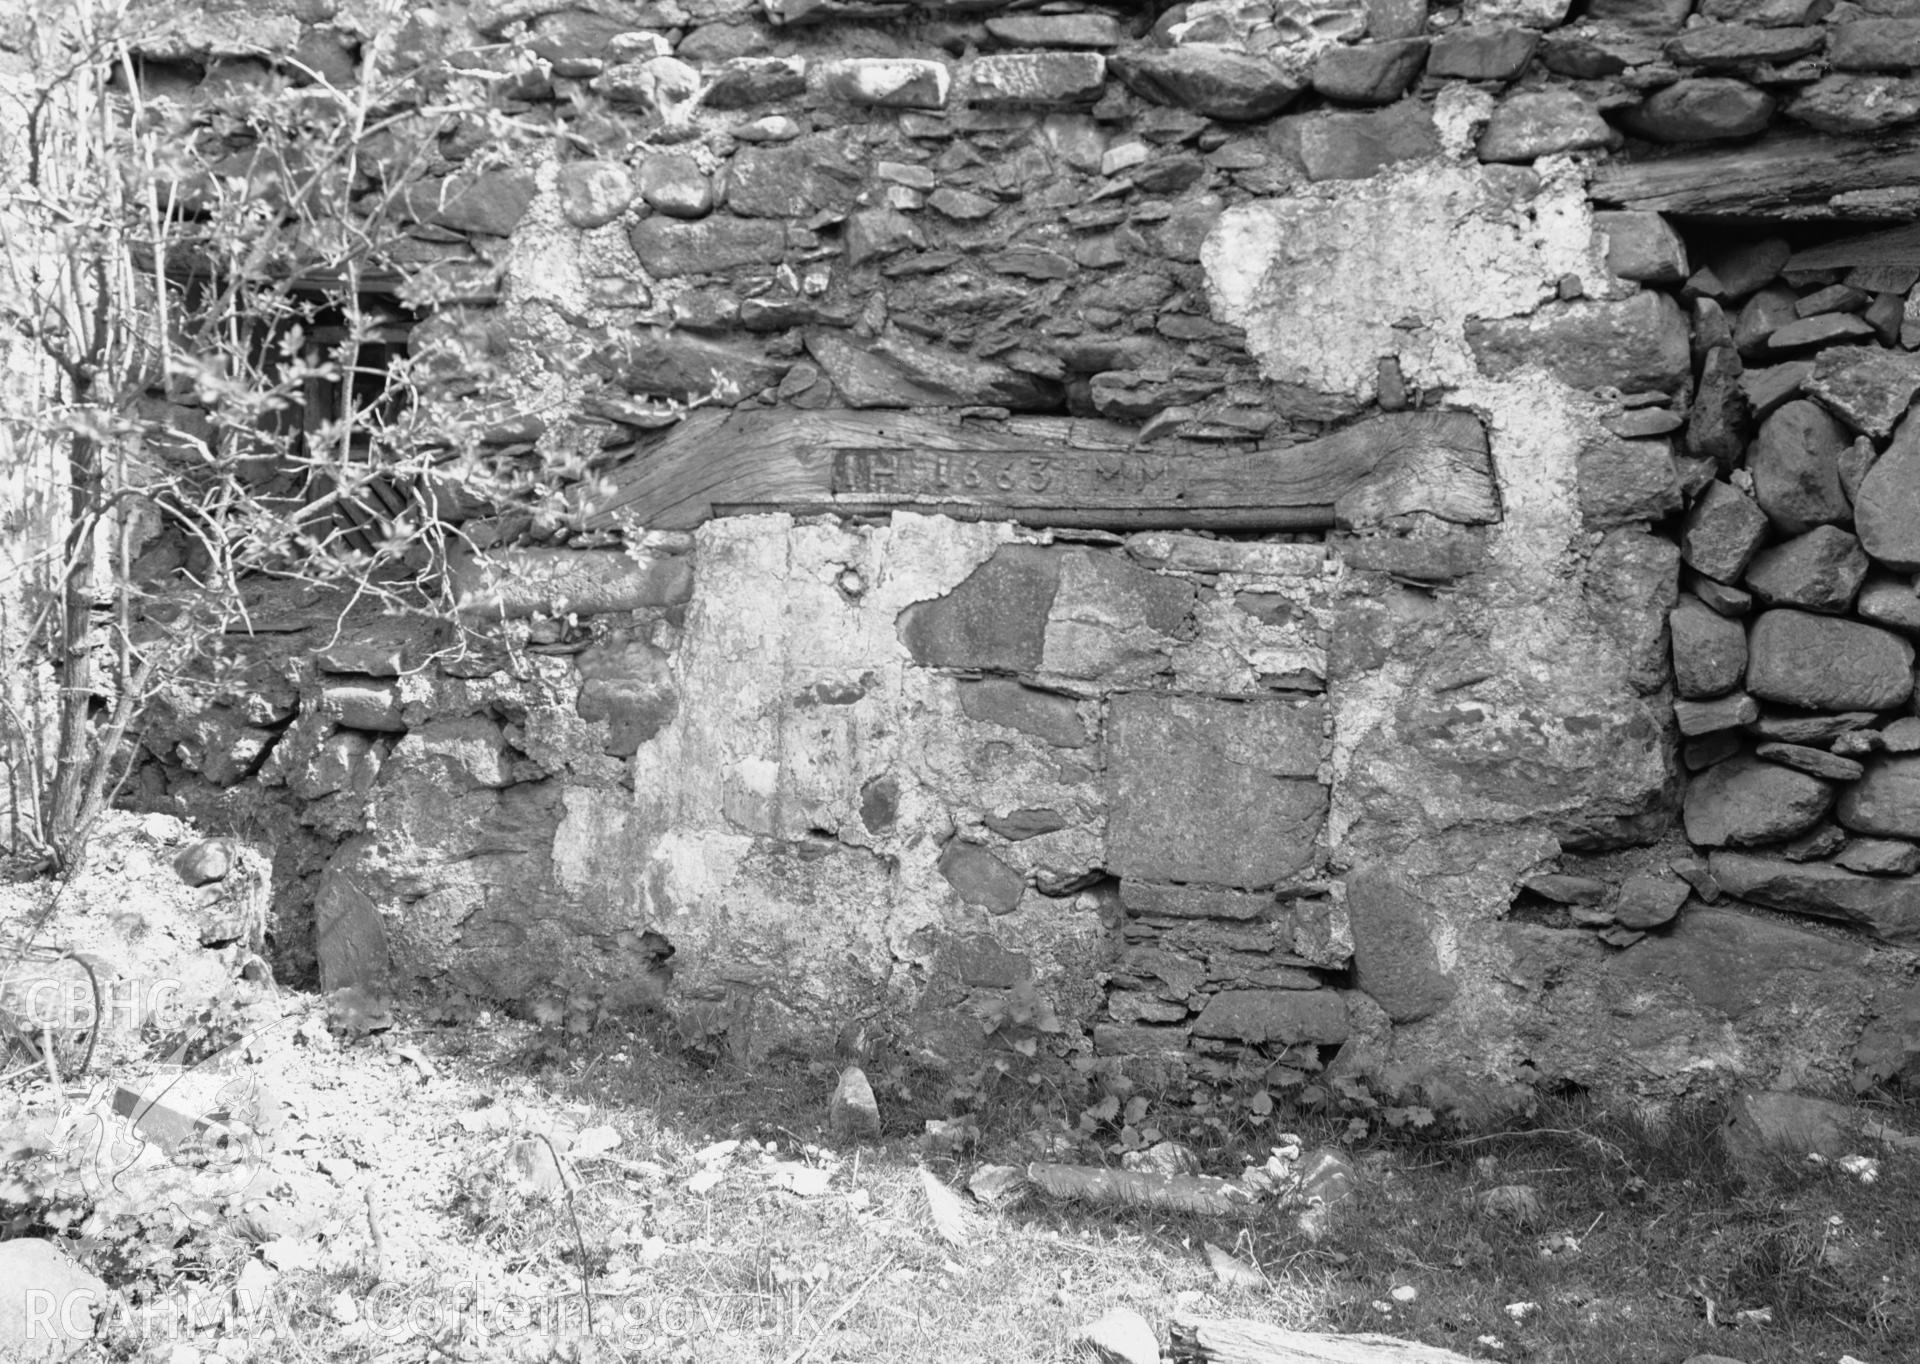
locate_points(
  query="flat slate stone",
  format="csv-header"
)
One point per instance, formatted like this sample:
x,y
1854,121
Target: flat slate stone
x,y
1216,81
1735,45
1795,463
1536,123
1358,146
1048,716
1804,333
1733,602
1279,1017
1825,663
1813,761
888,82
1564,889
1889,601
1701,109
898,370
1745,801
667,247
1847,104
1886,800
1637,343
1888,908
994,620
1212,792
1722,712
1037,80
1709,650
1879,857
1820,843
1874,45
1371,73
1722,532
980,878
1056,30
1769,387
1482,53
1818,571
1790,728
1887,510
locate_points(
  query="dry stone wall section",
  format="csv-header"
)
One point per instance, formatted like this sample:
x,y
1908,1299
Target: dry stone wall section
x,y
1274,737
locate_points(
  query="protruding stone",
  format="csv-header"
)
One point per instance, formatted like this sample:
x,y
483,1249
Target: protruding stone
x,y
1701,109
1357,146
492,202
1771,387
1732,602
1637,343
1824,330
667,247
1279,1017
1212,80
1037,80
1795,462
1814,762
744,82
1710,717
1789,727
1879,857
1627,480
1889,601
1818,571
1648,900
980,878
1746,801
1722,532
1372,73
1888,908
1769,309
1886,800
594,193
1718,421
1642,246
204,861
1869,387
1085,29
1875,44
887,82
673,183
1393,954
1482,53
1736,46
1856,104
1536,123
1823,663
1213,792
1709,650
1887,511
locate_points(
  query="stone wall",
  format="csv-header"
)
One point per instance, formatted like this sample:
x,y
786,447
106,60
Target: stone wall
x,y
1381,771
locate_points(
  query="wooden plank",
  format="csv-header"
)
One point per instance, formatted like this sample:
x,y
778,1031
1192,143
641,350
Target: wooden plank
x,y
1801,176
1050,471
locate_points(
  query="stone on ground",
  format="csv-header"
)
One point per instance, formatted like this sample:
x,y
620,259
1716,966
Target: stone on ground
x,y
1773,1124
35,1276
1122,1336
853,1114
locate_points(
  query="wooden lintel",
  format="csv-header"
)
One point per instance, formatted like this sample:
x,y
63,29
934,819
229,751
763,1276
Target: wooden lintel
x,y
1799,176
1046,470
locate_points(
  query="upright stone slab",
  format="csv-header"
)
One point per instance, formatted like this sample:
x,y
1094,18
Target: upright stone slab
x,y
1886,800
1887,511
1709,650
1722,532
1795,463
1393,954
